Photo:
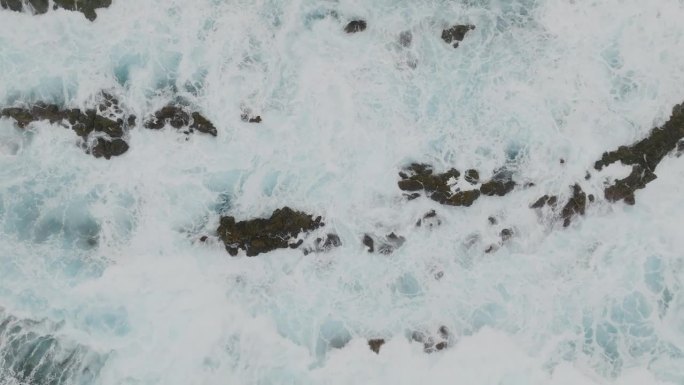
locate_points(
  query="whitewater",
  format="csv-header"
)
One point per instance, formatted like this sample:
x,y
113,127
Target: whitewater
x,y
104,279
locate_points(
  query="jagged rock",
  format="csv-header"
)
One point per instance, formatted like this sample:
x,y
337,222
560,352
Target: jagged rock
x,y
456,33
575,205
261,235
355,26
87,7
106,121
644,156
417,177
492,221
178,116
109,148
376,344
500,184
369,242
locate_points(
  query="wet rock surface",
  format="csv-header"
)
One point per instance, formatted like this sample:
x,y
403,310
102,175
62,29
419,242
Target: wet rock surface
x,y
376,344
261,235
644,156
439,187
179,117
322,245
87,7
101,128
355,26
456,33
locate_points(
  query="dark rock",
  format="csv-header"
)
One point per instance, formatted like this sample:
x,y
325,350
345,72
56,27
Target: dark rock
x,y
497,187
562,161
575,205
552,200
490,249
591,198
355,26
109,148
110,128
250,119
87,7
541,202
456,34
392,242
472,176
644,156
405,39
506,234
368,242
173,115
204,238
261,235
376,344
202,124
410,185
587,176
492,220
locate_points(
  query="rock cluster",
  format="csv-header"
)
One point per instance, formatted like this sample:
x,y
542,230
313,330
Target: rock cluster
x,y
178,117
101,129
438,187
355,26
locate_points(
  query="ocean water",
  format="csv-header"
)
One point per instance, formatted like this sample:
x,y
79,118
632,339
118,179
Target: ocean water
x,y
103,279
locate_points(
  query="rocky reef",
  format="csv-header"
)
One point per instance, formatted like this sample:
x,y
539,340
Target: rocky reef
x,y
179,117
101,129
440,187
261,235
644,156
87,7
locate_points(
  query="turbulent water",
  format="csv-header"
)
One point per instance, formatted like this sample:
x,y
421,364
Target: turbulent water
x,y
103,279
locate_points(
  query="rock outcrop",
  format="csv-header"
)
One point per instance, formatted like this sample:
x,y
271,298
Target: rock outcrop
x,y
355,26
180,117
262,235
456,33
101,129
87,7
439,187
644,156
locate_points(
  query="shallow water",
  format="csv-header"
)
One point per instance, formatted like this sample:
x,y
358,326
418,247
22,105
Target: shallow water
x,y
103,256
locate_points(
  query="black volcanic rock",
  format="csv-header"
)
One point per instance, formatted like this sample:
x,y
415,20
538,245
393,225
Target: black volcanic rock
x,y
456,33
106,122
355,26
178,117
87,7
644,156
262,235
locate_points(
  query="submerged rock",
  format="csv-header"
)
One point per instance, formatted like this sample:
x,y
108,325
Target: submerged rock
x,y
322,245
385,245
355,26
456,33
644,156
87,7
262,235
433,342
